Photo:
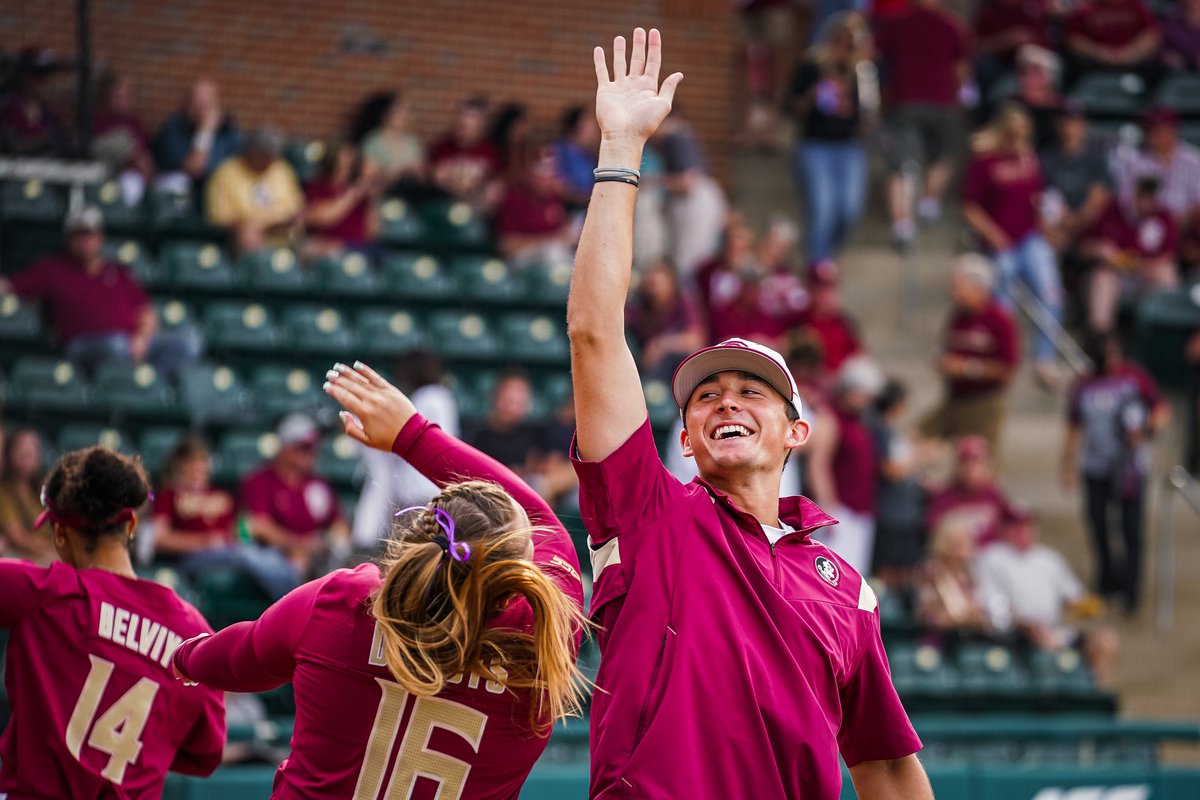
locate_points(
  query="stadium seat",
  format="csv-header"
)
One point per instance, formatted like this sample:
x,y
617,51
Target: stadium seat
x,y
200,266
174,314
155,444
486,279
1180,91
228,595
992,671
134,390
338,459
234,325
49,384
418,277
134,255
463,335
535,338
472,391
241,451
118,215
548,284
454,225
78,436
399,224
1060,672
32,201
305,156
278,390
555,387
387,334
214,394
1110,94
19,322
175,213
1163,323
275,271
322,331
660,403
922,676
349,275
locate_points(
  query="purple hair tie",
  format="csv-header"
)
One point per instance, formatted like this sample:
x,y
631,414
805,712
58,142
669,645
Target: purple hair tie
x,y
459,551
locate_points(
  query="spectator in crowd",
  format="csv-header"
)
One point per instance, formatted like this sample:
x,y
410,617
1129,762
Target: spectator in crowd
x,y
28,126
1112,34
825,318
508,436
1000,198
289,506
191,515
828,161
1037,93
1002,28
1132,251
340,211
844,468
98,310
255,195
120,140
979,357
767,31
971,499
1078,182
575,154
1176,164
465,164
922,92
507,130
1181,36
197,139
696,205
948,598
1032,588
392,151
664,320
532,223
20,484
1112,417
651,230
899,498
392,483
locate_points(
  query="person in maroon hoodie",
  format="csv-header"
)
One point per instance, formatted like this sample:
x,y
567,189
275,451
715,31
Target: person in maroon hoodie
x,y
800,674
826,320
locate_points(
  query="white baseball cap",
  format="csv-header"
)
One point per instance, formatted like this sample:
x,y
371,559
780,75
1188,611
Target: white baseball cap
x,y
737,355
297,428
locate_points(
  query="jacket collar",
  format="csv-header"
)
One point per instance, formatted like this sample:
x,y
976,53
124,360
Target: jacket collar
x,y
798,511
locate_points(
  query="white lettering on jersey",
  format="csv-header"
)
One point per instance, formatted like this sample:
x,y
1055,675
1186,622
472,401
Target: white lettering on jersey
x,y
1135,792
141,635
376,658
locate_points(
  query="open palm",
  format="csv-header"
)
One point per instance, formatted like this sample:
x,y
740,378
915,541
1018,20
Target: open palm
x,y
631,104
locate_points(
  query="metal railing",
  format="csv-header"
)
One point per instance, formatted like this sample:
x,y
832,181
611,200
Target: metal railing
x,y
1179,483
1041,317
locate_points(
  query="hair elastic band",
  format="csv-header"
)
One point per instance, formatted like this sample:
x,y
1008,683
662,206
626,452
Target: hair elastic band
x,y
459,551
616,179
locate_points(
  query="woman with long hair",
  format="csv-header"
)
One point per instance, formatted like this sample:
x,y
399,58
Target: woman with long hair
x,y
454,654
95,712
20,479
190,514
1001,197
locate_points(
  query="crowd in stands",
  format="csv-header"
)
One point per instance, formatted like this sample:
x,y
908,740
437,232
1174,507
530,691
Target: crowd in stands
x,y
1085,225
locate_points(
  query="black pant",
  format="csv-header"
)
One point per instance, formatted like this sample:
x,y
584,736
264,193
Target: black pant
x,y
1122,577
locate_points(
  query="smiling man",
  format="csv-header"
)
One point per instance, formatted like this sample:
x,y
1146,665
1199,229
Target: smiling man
x,y
739,656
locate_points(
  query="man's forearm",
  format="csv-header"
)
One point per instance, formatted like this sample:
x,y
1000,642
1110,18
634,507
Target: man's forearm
x,y
895,779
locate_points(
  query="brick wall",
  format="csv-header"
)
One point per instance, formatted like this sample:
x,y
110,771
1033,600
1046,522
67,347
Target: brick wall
x,y
302,66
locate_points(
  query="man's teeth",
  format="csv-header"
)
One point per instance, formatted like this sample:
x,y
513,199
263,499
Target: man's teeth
x,y
726,431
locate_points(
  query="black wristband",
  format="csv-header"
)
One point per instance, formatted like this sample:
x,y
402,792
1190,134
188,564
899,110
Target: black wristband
x,y
616,179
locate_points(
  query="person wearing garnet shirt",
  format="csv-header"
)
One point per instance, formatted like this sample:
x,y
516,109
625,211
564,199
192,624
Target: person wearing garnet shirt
x,y
339,209
971,499
532,224
1112,34
1002,27
1001,194
979,357
190,514
465,164
824,318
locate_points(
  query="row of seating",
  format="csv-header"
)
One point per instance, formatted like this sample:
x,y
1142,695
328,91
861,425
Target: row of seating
x,y
1106,94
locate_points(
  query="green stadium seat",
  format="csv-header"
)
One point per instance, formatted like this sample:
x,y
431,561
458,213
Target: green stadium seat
x,y
200,266
349,275
548,284
1180,91
660,403
463,335
992,671
49,384
135,255
278,390
228,595
555,387
175,213
472,391
118,215
234,325
399,224
214,394
922,676
134,390
1061,672
305,156
275,271
241,451
155,444
1110,94
486,279
535,338
418,277
19,322
338,459
455,225
174,314
78,436
32,201
318,330
1163,323
387,333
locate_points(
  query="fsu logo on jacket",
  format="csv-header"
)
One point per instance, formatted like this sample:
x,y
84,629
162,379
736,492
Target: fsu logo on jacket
x,y
827,570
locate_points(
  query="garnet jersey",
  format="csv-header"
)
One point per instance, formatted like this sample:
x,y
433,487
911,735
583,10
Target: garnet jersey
x,y
96,712
358,734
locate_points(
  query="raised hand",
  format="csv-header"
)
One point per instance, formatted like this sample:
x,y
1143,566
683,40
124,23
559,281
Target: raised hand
x,y
375,410
632,105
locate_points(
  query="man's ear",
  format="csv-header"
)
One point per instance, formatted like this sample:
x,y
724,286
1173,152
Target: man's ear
x,y
797,433
685,443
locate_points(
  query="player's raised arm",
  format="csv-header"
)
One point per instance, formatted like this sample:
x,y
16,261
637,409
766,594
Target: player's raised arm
x,y
630,105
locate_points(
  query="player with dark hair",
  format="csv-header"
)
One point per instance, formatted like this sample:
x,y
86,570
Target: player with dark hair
x,y
96,713
739,656
439,671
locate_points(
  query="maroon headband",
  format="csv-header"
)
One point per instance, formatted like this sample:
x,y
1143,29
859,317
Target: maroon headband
x,y
51,511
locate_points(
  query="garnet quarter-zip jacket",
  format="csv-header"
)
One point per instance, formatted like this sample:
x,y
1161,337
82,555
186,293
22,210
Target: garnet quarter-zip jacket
x,y
730,668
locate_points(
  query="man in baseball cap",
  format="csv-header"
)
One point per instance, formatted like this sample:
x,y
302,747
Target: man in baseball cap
x,y
677,566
